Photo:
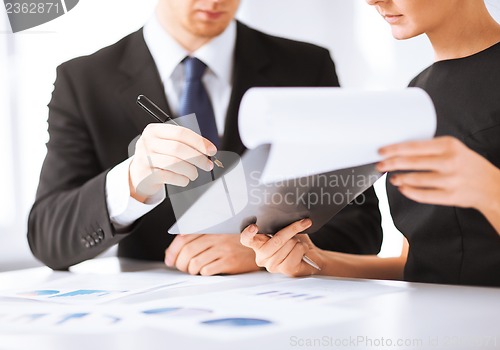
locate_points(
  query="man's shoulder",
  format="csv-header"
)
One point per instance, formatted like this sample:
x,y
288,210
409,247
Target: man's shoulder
x,y
279,45
107,57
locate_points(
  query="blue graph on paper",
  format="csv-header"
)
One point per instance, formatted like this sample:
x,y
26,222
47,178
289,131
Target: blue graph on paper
x,y
70,317
83,292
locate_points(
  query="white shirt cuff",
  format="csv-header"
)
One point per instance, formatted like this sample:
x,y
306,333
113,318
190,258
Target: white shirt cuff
x,y
122,208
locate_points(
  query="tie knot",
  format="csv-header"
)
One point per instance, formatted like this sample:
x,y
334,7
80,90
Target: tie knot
x,y
194,68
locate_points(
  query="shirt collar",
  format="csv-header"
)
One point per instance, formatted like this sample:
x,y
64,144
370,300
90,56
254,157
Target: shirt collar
x,y
167,53
218,53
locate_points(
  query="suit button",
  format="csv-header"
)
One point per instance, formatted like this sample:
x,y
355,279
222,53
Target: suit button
x,y
100,233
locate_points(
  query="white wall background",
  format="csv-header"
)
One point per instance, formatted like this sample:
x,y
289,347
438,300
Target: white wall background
x,y
359,41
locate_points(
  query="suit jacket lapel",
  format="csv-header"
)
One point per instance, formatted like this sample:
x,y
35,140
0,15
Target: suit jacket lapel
x,y
141,77
250,60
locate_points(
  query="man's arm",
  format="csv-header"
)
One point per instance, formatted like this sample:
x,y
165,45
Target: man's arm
x,y
69,221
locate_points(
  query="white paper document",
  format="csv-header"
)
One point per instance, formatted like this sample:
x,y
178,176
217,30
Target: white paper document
x,y
319,291
260,310
232,315
317,130
312,151
227,314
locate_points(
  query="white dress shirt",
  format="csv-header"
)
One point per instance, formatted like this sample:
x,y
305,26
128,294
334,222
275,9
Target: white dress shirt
x,y
167,54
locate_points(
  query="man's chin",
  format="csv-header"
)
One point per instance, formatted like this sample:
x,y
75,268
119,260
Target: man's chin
x,y
209,30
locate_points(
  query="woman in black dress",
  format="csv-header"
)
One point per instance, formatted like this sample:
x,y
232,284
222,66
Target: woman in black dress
x,y
447,200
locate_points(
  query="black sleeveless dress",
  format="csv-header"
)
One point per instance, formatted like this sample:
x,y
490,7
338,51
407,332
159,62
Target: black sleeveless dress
x,y
448,244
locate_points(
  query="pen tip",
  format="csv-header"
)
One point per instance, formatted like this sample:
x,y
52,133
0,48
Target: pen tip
x,y
219,163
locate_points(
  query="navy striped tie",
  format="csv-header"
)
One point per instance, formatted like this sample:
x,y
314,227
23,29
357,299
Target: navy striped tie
x,y
195,99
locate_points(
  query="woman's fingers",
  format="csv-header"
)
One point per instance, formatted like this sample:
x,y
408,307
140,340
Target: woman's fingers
x,y
304,238
284,235
272,263
439,154
275,253
249,238
434,196
298,267
434,147
421,163
445,172
421,180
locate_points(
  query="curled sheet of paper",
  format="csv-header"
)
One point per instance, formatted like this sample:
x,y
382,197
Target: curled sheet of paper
x,y
312,151
317,130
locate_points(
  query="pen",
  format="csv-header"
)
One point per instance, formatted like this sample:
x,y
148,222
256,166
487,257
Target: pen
x,y
152,109
305,258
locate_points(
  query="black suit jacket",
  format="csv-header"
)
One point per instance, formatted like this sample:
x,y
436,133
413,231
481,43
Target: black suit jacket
x,y
93,117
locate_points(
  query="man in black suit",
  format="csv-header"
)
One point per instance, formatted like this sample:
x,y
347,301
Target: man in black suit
x,y
88,198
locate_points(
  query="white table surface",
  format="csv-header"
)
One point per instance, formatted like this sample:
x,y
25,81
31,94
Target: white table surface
x,y
423,315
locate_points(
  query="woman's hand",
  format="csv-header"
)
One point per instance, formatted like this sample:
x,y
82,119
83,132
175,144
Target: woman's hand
x,y
284,251
443,171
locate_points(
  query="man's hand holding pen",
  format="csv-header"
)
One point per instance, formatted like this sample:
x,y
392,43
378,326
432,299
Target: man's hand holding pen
x,y
167,154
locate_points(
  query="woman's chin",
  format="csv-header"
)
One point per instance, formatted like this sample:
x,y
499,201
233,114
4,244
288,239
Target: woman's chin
x,y
401,34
